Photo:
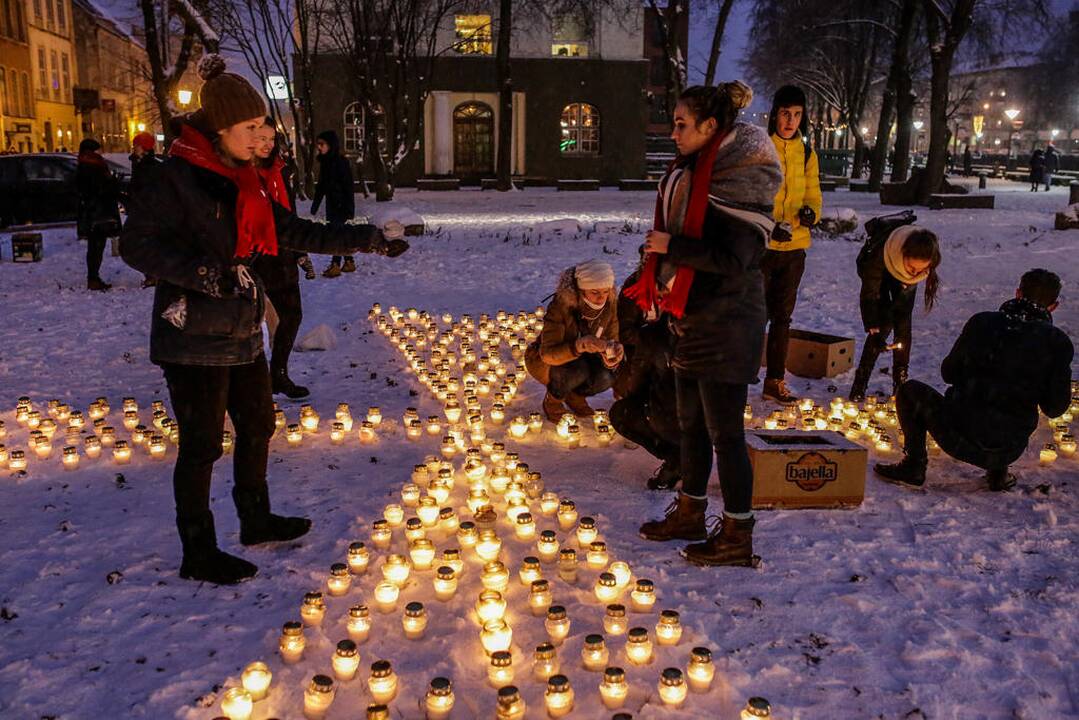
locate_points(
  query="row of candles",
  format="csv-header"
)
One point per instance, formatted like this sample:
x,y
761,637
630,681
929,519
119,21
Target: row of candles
x,y
477,480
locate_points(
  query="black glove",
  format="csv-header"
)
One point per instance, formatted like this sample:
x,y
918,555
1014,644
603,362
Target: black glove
x,y
781,232
806,216
390,248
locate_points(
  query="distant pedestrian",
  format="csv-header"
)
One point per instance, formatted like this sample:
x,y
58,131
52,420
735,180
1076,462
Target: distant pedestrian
x,y
1052,165
1037,169
99,212
968,161
335,186
144,163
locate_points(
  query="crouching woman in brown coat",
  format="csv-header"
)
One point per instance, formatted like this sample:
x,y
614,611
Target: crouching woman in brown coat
x,y
578,349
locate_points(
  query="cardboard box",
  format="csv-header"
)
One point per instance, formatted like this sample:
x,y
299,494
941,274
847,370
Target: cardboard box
x,y
26,247
816,355
795,469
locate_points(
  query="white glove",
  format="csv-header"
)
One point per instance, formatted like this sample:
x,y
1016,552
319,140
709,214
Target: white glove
x,y
393,230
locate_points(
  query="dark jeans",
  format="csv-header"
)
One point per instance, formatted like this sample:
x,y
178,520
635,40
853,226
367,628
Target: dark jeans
x,y
922,409
634,420
338,258
710,418
201,395
782,272
585,376
896,315
95,252
287,302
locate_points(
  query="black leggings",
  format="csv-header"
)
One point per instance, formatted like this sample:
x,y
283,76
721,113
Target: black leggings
x,y
201,395
782,270
288,305
710,418
635,419
95,253
896,315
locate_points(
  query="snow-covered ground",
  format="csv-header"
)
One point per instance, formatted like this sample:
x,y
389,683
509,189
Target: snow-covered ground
x,y
949,603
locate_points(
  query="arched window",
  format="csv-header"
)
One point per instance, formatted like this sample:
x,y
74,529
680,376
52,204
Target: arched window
x,y
580,130
355,131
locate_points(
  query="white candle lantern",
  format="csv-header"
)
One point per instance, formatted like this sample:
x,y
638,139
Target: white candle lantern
x,y
489,545
567,514
614,619
452,558
256,679
395,569
121,452
339,581
313,609
448,522
309,420
518,427
549,503
107,435
559,696
394,514
467,534
547,546
434,425
669,628
237,704
535,422
131,420
318,697
672,687
427,511
374,416
359,623
530,571
386,594
1067,446
337,432
496,635
500,670
294,435
606,589
1048,454
345,661
490,606
414,621
445,583
540,598
586,532
495,576
422,553
557,624
756,707
567,565
381,535
638,646
71,457
643,596
438,702
525,527
614,688
367,432
701,670
594,654
359,557
597,556
545,662
291,644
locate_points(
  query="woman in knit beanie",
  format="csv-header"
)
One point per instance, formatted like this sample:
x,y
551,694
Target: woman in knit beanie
x,y
198,227
578,349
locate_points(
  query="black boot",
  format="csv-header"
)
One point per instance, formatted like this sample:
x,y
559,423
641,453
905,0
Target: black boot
x,y
730,544
899,376
259,525
870,352
202,558
1000,480
666,476
860,385
908,471
283,385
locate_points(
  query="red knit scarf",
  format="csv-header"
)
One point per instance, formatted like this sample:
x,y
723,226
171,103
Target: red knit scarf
x,y
275,183
644,291
255,230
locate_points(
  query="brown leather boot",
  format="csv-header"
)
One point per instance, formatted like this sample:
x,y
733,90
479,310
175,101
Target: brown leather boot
x,y
553,408
684,520
579,406
730,544
777,390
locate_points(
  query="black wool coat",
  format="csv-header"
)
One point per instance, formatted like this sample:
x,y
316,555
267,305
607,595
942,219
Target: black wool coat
x,y
335,186
99,195
181,229
882,298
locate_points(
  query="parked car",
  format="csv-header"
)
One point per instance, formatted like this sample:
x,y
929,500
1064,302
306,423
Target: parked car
x,y
40,187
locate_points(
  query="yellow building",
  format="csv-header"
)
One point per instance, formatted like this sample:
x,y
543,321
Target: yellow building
x,y
16,105
52,52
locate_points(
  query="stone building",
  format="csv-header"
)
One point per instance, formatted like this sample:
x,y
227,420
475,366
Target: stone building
x,y
52,51
16,91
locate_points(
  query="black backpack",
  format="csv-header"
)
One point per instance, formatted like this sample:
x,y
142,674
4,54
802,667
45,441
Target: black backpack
x,y
877,231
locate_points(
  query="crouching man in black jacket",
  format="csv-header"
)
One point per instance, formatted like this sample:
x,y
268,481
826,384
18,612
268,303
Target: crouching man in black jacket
x,y
1004,366
198,227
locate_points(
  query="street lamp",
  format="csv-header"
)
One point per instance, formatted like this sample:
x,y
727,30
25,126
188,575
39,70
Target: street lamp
x,y
918,125
1055,132
1012,113
184,96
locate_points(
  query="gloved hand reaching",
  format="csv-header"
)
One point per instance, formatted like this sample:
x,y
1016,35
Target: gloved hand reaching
x,y
590,344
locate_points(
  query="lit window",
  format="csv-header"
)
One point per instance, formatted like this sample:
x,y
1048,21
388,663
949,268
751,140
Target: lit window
x,y
473,34
569,49
355,131
580,130
570,33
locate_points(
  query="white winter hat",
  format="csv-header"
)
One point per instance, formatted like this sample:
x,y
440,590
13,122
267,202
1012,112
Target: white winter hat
x,y
594,275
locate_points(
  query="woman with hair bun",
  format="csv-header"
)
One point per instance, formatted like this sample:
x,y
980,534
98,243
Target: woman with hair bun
x,y
702,269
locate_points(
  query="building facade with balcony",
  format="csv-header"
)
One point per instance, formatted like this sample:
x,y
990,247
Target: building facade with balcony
x,y
113,93
52,52
16,71
580,101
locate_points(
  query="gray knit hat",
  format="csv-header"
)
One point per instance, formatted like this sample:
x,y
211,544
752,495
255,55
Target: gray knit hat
x,y
226,98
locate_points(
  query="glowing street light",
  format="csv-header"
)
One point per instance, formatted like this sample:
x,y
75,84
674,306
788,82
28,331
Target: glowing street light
x,y
918,125
1012,113
184,96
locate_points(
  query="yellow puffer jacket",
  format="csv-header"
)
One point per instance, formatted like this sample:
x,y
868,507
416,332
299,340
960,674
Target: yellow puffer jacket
x,y
801,186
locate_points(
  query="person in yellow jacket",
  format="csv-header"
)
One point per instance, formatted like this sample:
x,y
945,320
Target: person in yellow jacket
x,y
797,208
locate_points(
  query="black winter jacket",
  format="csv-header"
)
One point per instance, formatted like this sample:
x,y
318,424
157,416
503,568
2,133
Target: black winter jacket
x,y
142,173
720,336
334,185
1004,366
182,230
280,271
99,195
882,297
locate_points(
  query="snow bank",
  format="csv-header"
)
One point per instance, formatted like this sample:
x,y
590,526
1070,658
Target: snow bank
x,y
384,212
838,221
